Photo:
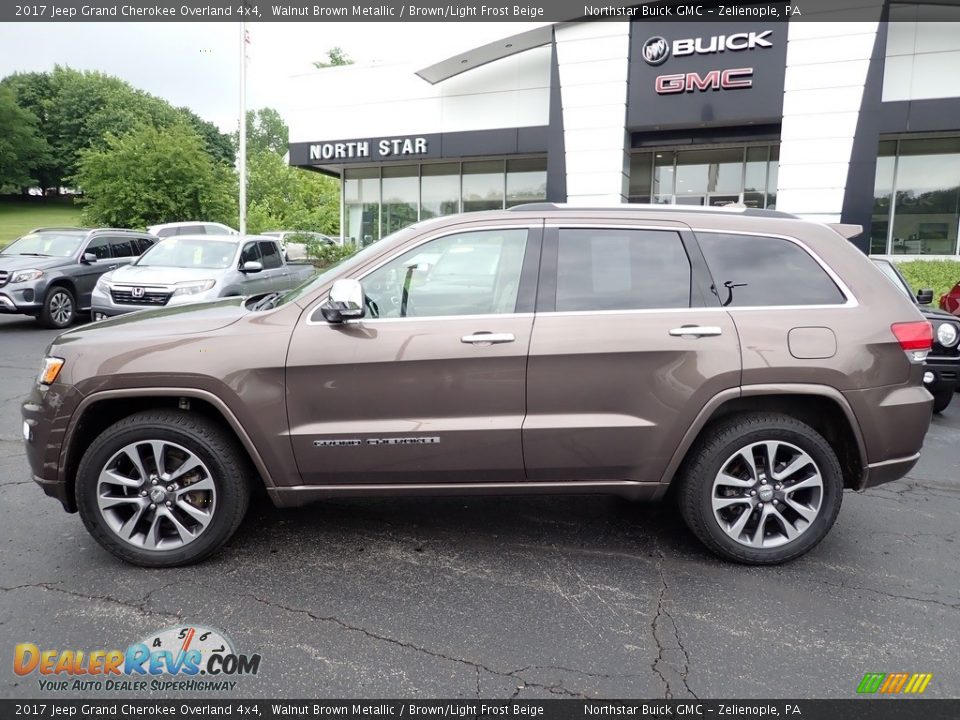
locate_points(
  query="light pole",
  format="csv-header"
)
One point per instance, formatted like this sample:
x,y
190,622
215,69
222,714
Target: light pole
x,y
242,154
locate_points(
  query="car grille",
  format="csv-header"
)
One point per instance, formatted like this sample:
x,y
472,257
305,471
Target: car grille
x,y
150,297
4,276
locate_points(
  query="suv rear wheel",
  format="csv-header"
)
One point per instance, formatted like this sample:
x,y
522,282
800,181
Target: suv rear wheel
x,y
761,489
162,488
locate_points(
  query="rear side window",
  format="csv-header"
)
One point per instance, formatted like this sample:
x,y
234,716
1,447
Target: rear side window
x,y
750,271
610,269
122,247
271,256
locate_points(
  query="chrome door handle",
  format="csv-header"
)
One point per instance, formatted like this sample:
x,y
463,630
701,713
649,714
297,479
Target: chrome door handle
x,y
696,331
488,338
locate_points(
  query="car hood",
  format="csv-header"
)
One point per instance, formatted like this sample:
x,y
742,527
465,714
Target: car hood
x,y
24,262
932,313
197,318
147,275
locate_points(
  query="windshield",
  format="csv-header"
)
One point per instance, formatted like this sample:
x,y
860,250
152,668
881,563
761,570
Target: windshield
x,y
52,244
895,278
189,253
344,266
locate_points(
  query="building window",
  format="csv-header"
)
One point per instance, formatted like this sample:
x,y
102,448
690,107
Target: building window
x,y
380,200
916,209
483,185
706,176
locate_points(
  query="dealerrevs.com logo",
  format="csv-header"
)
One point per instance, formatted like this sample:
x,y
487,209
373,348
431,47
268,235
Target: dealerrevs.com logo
x,y
194,659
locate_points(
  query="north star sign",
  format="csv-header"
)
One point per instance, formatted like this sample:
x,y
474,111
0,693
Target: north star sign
x,y
352,149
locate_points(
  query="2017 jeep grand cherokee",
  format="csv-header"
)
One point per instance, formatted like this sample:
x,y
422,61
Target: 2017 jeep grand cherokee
x,y
757,362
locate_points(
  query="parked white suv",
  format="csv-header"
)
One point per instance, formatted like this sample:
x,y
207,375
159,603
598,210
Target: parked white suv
x,y
191,228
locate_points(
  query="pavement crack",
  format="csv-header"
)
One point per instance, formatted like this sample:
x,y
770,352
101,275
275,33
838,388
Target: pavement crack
x,y
660,662
138,607
555,689
894,596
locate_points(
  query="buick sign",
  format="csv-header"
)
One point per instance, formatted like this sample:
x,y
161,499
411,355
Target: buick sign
x,y
655,51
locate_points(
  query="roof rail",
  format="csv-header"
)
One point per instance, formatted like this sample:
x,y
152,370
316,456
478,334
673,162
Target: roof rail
x,y
125,230
44,229
646,207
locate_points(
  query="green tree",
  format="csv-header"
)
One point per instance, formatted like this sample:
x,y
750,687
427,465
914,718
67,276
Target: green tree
x,y
153,175
266,132
335,58
220,146
281,197
22,150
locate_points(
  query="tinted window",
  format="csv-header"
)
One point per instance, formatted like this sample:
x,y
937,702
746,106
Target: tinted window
x,y
99,246
251,253
471,273
194,230
271,256
143,244
606,269
122,247
753,270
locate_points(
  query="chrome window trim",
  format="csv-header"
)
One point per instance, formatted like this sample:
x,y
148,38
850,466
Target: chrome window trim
x,y
444,232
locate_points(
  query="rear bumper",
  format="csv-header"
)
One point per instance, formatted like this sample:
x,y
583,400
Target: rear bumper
x,y
887,471
945,372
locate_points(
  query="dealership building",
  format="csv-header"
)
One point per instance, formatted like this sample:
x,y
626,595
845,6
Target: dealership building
x,y
853,122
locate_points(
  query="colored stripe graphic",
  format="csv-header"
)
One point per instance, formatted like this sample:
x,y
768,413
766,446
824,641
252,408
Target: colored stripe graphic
x,y
894,683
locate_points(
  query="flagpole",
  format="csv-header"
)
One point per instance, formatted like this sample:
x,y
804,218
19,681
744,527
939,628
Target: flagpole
x,y
242,159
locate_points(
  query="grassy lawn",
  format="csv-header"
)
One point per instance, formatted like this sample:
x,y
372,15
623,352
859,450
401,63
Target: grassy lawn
x,y
18,217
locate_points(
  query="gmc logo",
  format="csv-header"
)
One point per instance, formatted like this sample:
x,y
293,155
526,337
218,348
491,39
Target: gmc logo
x,y
732,79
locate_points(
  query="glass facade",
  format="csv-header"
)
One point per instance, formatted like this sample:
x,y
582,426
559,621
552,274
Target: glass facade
x,y
916,205
378,201
706,176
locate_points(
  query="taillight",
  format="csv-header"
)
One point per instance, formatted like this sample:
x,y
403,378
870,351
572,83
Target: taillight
x,y
916,338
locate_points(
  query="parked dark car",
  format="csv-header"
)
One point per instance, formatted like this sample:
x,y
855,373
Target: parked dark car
x,y
50,273
942,366
754,361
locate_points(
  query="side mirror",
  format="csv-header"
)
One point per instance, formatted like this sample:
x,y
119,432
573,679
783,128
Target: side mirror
x,y
88,258
251,266
925,296
344,303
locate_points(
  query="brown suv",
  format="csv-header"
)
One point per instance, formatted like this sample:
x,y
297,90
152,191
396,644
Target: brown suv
x,y
759,363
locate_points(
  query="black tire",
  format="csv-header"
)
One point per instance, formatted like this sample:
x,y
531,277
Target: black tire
x,y
713,449
217,449
941,400
52,315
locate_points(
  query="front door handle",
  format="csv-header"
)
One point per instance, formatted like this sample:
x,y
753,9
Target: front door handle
x,y
696,331
488,338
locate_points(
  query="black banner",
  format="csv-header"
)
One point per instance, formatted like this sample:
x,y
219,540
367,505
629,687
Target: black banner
x,y
438,11
560,709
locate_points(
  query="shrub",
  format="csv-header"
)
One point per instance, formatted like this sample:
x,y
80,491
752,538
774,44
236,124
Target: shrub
x,y
938,275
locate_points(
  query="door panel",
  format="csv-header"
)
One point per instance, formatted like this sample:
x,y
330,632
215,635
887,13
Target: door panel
x,y
419,391
614,376
85,275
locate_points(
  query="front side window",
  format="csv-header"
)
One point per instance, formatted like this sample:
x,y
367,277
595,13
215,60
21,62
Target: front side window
x,y
99,246
751,271
611,269
470,273
250,253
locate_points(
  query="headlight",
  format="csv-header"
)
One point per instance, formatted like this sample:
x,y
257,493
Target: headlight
x,y
50,370
947,334
103,285
26,275
194,287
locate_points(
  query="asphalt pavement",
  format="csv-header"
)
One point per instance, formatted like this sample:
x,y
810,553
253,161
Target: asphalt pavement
x,y
500,597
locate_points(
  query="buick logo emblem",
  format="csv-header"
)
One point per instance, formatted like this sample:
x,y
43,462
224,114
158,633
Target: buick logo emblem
x,y
655,51
137,292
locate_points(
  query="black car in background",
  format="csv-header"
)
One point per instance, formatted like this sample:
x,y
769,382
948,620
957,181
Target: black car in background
x,y
943,362
50,273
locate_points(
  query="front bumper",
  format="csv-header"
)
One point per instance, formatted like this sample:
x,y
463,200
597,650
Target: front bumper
x,y
20,301
941,374
46,416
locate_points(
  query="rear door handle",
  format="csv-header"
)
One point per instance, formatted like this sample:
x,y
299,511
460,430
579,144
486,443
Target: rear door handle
x,y
696,331
488,338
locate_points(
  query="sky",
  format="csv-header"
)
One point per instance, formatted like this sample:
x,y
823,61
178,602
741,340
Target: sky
x,y
197,64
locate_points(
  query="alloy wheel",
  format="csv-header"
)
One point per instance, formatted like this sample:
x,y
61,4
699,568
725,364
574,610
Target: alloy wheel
x,y
767,494
61,308
156,495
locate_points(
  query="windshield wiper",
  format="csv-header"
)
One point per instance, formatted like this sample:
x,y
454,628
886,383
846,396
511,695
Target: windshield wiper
x,y
36,254
266,302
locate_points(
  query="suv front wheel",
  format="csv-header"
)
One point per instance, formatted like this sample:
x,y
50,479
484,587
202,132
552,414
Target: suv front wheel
x,y
162,488
761,489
